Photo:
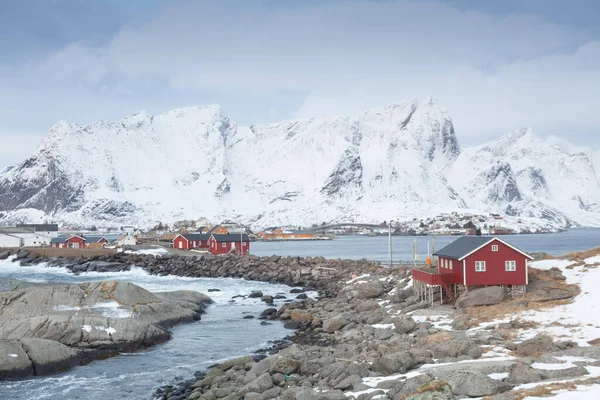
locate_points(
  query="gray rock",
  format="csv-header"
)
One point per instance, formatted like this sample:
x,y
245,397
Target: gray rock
x,y
563,373
455,348
14,362
237,361
476,384
48,356
521,373
539,344
412,384
368,305
481,297
441,391
4,255
284,365
393,363
370,289
334,324
462,322
259,385
404,324
348,382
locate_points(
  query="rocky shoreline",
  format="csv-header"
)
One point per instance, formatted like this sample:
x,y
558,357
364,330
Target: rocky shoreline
x,y
367,335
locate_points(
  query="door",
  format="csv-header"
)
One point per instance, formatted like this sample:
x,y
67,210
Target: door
x,y
181,244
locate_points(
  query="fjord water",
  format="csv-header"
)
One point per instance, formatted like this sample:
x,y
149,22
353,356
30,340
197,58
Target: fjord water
x,y
222,333
376,247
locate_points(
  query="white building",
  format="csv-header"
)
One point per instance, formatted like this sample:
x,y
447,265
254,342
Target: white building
x,y
126,240
24,239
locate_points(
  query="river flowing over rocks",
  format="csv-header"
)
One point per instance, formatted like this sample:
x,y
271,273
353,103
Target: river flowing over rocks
x,y
366,336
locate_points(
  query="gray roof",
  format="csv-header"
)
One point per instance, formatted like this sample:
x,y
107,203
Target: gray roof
x,y
463,246
232,237
94,238
59,239
196,236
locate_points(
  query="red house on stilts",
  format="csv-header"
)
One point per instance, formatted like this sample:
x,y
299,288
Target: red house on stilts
x,y
475,261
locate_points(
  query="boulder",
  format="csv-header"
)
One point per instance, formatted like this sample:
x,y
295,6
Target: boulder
x,y
14,362
4,255
481,297
404,324
334,324
521,373
237,361
433,391
393,363
255,295
454,348
48,356
259,385
267,313
370,289
539,344
557,374
284,365
476,384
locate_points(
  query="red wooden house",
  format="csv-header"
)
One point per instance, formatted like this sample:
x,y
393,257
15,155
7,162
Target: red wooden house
x,y
229,244
477,261
191,241
72,242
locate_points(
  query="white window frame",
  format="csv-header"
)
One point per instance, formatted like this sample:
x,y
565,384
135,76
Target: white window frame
x,y
479,266
494,247
451,262
510,266
223,244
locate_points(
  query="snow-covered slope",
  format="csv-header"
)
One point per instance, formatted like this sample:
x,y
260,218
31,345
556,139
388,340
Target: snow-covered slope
x,y
392,162
520,174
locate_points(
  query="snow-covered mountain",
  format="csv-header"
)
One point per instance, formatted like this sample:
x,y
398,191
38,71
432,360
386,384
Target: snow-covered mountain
x,y
393,162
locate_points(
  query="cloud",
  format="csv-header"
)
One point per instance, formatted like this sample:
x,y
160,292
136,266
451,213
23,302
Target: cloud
x,y
493,73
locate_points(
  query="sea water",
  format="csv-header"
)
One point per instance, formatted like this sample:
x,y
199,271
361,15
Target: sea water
x,y
222,333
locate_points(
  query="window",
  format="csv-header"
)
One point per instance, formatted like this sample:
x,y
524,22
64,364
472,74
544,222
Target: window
x,y
479,266
494,247
451,262
510,266
223,244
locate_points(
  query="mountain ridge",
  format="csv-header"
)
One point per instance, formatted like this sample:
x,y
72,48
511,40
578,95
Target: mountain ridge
x,y
394,161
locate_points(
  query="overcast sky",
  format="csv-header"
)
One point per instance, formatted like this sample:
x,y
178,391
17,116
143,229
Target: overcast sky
x,y
495,65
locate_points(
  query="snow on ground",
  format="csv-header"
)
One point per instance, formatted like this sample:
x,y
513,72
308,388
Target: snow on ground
x,y
158,251
353,280
499,375
579,320
583,392
110,309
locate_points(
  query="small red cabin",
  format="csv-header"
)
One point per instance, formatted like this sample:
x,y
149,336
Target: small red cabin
x,y
191,241
229,244
477,261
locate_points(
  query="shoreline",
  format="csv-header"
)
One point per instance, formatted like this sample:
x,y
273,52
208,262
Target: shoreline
x,y
368,335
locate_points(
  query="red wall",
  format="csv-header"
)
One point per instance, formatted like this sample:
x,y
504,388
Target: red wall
x,y
180,240
76,239
495,271
456,270
217,248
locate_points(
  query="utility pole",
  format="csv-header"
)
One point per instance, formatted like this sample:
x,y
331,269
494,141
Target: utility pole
x,y
390,244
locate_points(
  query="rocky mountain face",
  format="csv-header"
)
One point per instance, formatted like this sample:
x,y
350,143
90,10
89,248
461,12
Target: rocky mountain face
x,y
392,162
